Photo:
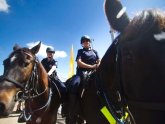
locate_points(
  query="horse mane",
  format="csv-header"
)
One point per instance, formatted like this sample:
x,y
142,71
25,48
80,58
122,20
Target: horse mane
x,y
145,24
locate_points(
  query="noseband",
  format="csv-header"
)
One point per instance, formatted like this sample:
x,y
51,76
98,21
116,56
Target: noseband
x,y
17,84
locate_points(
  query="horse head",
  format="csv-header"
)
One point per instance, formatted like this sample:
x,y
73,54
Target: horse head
x,y
17,71
140,60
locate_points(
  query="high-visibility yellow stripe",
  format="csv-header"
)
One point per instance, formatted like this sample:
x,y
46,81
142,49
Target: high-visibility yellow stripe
x,y
108,115
124,117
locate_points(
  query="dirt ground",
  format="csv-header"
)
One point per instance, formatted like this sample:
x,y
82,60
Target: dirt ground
x,y
12,119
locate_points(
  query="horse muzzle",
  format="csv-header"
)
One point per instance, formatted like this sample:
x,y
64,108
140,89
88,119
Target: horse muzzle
x,y
7,102
3,112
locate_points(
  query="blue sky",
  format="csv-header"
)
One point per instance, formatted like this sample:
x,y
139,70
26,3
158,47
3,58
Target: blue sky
x,y
59,23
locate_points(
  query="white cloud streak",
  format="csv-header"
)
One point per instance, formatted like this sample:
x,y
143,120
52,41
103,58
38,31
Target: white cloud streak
x,y
42,51
4,7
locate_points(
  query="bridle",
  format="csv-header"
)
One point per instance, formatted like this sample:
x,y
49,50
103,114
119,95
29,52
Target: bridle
x,y
103,95
30,90
17,84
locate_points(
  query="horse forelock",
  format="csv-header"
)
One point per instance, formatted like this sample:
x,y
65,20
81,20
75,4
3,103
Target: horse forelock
x,y
21,54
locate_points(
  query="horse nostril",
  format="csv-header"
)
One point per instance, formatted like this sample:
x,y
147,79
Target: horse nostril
x,y
2,108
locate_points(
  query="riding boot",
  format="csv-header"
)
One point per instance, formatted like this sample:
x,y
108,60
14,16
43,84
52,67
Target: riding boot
x,y
72,109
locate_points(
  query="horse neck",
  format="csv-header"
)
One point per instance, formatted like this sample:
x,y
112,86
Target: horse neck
x,y
39,101
42,76
107,69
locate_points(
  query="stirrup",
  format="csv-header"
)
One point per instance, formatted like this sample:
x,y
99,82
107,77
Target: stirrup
x,y
21,118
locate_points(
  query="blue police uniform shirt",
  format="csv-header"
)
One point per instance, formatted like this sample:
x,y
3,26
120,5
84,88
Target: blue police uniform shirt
x,y
48,64
88,56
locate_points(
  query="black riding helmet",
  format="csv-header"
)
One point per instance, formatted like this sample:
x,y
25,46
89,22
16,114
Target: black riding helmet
x,y
50,49
85,37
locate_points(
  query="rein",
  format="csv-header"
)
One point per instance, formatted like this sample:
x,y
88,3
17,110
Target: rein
x,y
30,92
108,109
120,90
17,84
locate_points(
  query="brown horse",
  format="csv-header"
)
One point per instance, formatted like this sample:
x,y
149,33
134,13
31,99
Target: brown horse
x,y
23,71
139,52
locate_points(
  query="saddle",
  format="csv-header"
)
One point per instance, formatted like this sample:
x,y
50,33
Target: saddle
x,y
84,84
57,86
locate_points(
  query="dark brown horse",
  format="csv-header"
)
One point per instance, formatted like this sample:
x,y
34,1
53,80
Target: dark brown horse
x,y
23,71
140,55
103,89
131,71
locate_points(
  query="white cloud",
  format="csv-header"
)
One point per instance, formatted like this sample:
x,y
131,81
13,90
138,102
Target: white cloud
x,y
4,7
42,51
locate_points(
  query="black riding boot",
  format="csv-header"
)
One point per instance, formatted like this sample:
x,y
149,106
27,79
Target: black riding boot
x,y
72,109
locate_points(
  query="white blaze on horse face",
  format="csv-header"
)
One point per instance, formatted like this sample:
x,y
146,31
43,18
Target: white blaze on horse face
x,y
121,12
160,37
12,58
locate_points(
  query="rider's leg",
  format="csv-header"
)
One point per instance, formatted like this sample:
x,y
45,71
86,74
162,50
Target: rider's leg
x,y
63,92
73,103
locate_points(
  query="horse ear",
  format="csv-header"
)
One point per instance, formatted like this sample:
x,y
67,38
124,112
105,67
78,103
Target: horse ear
x,y
16,47
112,10
36,48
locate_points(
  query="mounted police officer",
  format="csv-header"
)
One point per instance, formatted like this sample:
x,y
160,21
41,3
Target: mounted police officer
x,y
87,60
49,63
50,66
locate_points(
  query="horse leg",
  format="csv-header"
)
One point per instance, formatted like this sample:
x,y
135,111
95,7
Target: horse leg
x,y
72,109
80,120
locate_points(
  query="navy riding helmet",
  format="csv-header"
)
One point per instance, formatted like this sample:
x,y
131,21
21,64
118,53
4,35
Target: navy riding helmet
x,y
50,49
85,37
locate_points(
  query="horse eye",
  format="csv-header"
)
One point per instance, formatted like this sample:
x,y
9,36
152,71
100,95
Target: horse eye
x,y
26,64
28,57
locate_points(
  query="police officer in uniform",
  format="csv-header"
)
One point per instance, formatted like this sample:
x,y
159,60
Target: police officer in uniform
x,y
87,60
50,66
49,63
